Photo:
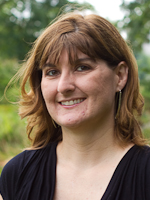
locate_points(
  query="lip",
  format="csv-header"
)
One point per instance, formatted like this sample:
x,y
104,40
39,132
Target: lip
x,y
68,101
71,99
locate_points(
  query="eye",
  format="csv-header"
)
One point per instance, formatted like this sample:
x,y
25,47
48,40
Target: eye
x,y
83,68
52,73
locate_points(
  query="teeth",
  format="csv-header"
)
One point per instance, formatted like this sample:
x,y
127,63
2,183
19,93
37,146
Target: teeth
x,y
75,101
72,102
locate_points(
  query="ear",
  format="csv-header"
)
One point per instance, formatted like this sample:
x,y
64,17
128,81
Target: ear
x,y
122,75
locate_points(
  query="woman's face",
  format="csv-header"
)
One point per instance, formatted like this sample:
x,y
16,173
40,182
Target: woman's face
x,y
79,94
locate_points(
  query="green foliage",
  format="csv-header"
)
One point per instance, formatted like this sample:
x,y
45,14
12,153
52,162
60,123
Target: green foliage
x,y
144,75
136,22
8,68
12,128
12,134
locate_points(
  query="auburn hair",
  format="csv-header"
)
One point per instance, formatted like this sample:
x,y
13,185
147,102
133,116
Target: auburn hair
x,y
99,39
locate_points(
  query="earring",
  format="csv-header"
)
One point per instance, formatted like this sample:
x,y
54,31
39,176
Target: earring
x,y
54,123
119,104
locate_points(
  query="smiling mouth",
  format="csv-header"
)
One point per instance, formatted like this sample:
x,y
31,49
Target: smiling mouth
x,y
72,102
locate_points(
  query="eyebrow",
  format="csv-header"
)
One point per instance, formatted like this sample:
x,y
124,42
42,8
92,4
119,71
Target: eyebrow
x,y
83,59
48,65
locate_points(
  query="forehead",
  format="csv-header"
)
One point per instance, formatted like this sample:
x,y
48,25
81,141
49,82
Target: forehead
x,y
72,57
64,56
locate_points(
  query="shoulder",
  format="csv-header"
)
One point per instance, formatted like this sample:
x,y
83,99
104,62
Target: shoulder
x,y
9,175
142,154
21,165
26,157
18,161
142,170
139,156
136,163
142,157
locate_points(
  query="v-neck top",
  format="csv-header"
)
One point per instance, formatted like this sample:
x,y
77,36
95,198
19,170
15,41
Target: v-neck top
x,y
31,175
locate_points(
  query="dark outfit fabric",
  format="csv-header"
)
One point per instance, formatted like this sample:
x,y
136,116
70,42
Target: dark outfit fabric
x,y
31,176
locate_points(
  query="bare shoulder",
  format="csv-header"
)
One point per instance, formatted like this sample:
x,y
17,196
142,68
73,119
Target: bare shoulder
x,y
1,197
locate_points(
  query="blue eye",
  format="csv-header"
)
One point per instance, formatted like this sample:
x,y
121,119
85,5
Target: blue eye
x,y
52,73
83,68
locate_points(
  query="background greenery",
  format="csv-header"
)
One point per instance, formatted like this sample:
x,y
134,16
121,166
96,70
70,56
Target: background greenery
x,y
21,22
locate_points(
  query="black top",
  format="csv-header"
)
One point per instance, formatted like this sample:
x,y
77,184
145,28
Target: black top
x,y
31,176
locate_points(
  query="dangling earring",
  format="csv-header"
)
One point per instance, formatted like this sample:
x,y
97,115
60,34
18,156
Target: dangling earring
x,y
119,104
54,123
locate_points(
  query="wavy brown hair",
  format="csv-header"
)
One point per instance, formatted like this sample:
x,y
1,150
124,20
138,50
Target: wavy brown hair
x,y
99,39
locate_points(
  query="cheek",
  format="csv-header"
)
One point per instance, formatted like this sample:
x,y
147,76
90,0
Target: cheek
x,y
102,87
44,88
106,82
96,84
47,91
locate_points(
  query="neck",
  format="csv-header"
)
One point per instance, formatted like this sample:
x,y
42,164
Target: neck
x,y
88,146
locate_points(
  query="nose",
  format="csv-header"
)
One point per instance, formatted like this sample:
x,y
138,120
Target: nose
x,y
66,83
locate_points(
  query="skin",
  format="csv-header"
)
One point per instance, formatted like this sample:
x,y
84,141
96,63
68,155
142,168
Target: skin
x,y
94,82
89,152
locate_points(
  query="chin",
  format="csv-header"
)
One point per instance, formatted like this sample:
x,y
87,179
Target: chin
x,y
71,123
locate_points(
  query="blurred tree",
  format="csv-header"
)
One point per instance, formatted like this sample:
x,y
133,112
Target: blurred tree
x,y
144,75
21,22
8,68
136,22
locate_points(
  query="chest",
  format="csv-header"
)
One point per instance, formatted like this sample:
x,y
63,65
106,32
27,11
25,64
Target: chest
x,y
82,185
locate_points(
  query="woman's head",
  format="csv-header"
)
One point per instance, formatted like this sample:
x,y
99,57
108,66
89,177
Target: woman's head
x,y
96,37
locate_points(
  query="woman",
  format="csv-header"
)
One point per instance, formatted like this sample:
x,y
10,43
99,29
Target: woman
x,y
81,108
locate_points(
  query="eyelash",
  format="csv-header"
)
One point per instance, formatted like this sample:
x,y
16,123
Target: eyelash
x,y
85,68
56,72
53,70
